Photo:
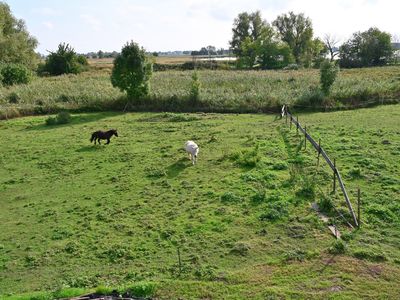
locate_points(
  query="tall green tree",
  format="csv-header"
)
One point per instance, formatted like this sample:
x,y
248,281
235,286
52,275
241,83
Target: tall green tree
x,y
132,71
369,48
256,44
16,44
64,61
297,32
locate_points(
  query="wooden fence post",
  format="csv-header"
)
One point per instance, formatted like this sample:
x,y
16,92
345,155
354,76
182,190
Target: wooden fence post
x,y
305,137
297,125
319,151
290,122
358,207
334,175
286,114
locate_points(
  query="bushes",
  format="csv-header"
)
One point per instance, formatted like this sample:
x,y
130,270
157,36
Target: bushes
x,y
195,88
328,73
61,118
63,61
11,74
338,247
132,71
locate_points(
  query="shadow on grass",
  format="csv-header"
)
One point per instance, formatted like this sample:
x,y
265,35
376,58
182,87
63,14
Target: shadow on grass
x,y
177,167
76,120
91,148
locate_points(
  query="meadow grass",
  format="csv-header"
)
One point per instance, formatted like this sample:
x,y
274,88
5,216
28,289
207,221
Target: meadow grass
x,y
79,216
221,91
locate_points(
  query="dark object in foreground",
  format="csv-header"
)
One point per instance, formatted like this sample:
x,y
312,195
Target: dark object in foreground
x,y
103,135
114,296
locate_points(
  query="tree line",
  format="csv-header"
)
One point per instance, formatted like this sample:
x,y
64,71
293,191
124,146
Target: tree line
x,y
287,42
289,39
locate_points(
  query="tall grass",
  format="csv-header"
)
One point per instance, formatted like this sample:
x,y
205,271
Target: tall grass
x,y
222,91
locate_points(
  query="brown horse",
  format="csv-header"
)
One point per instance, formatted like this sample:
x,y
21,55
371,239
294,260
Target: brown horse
x,y
103,135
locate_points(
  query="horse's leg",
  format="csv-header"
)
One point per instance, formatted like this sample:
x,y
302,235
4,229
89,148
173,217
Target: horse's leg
x,y
108,141
98,140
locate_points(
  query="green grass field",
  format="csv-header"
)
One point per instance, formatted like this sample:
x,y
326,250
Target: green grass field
x,y
221,91
75,215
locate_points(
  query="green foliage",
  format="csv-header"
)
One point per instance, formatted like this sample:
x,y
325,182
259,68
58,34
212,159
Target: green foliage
x,y
221,91
369,255
297,32
328,73
14,74
195,88
255,44
369,48
16,44
275,211
13,98
325,204
63,61
313,97
141,289
132,71
229,197
62,117
338,247
246,158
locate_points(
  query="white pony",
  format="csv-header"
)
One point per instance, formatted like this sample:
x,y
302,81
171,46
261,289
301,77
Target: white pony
x,y
193,150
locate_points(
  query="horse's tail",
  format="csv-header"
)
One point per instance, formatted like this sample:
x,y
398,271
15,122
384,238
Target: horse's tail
x,y
93,137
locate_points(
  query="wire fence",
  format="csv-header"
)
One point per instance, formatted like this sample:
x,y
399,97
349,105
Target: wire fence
x,y
332,165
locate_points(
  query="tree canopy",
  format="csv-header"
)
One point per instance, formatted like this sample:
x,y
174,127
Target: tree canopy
x,y
64,61
369,48
16,44
132,71
296,31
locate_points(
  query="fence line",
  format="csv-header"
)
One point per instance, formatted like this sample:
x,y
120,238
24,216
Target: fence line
x,y
320,150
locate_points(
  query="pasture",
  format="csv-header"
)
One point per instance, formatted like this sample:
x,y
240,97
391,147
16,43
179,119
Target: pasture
x,y
220,91
76,215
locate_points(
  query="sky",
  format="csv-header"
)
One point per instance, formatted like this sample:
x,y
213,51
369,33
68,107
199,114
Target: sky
x,y
169,25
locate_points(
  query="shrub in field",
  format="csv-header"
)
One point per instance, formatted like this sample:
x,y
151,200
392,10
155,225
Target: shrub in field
x,y
328,73
63,117
275,211
141,289
325,204
132,71
338,247
246,158
230,197
63,61
13,98
195,88
14,74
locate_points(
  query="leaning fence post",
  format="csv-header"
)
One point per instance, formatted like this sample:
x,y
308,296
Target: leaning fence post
x,y
358,207
297,125
286,114
334,175
290,122
305,137
319,151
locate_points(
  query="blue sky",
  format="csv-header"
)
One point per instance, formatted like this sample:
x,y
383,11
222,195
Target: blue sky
x,y
92,25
